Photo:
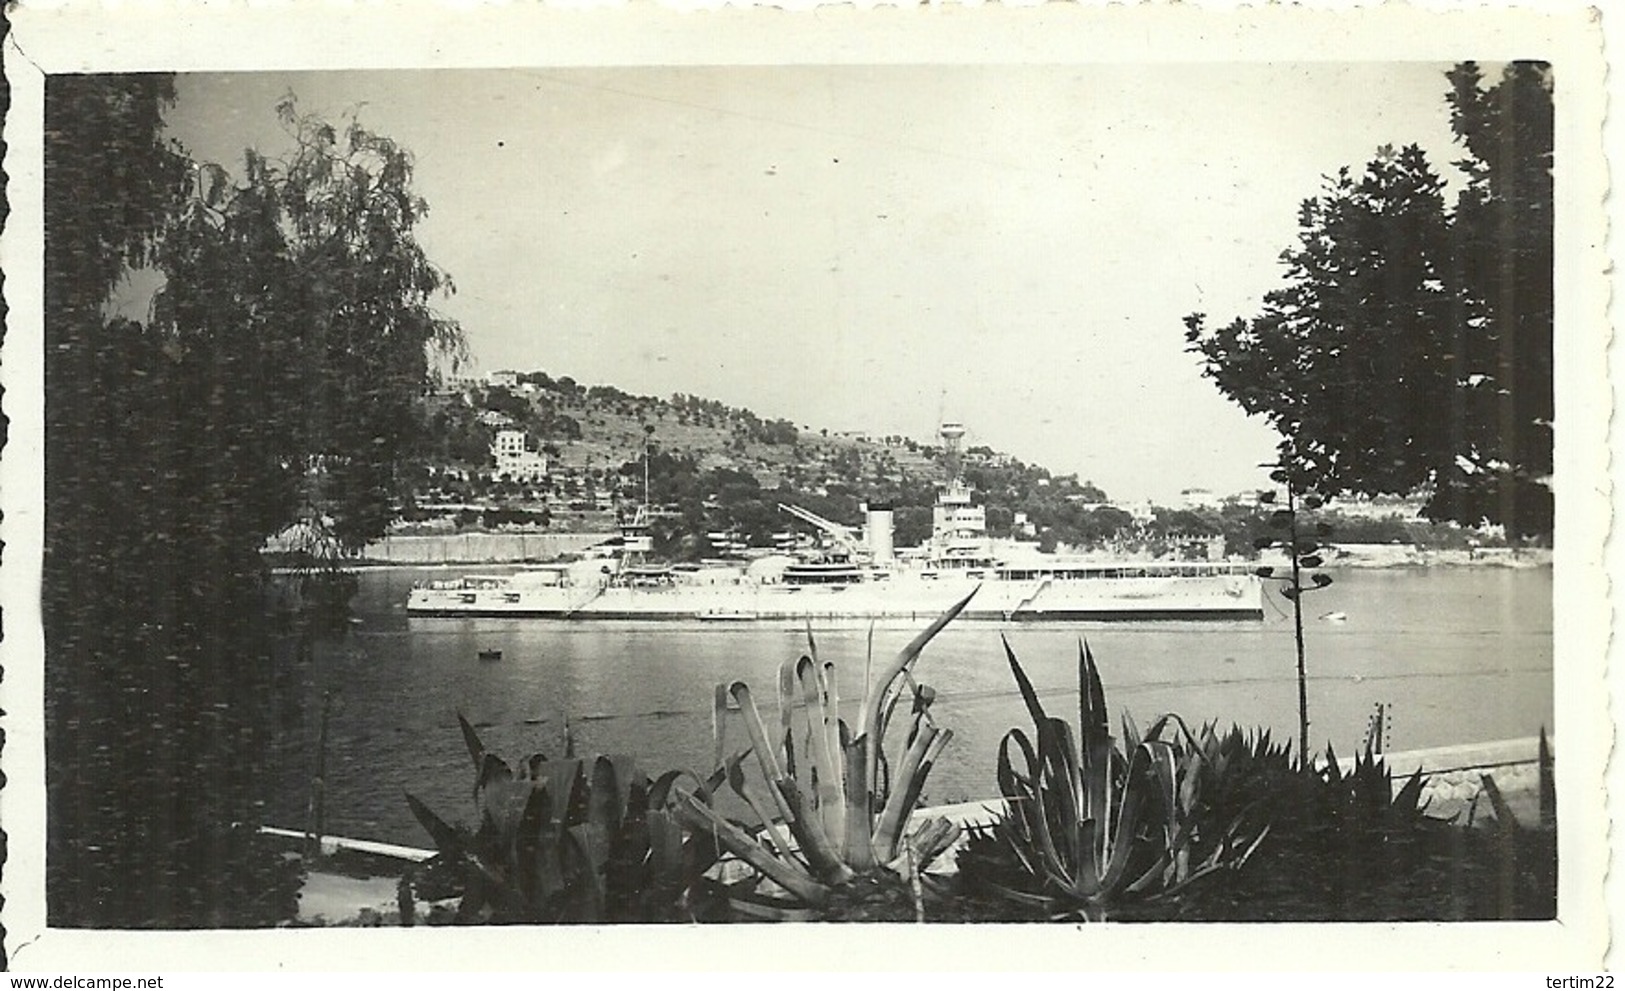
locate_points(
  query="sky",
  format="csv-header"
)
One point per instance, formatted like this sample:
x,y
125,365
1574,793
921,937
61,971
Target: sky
x,y
874,248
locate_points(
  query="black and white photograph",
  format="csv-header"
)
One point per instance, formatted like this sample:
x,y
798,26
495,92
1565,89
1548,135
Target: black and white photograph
x,y
756,490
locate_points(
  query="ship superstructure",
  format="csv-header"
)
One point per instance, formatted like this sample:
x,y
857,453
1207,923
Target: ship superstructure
x,y
958,527
858,575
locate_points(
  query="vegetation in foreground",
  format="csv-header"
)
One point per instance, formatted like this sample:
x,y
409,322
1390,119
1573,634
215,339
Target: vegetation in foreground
x,y
840,804
566,840
1166,824
1093,831
273,379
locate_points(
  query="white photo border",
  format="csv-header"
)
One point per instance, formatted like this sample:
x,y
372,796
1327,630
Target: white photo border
x,y
152,36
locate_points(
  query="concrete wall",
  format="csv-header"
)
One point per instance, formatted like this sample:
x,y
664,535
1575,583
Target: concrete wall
x,y
478,548
1454,776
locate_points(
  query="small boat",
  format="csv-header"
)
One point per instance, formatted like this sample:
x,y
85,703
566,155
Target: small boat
x,y
490,655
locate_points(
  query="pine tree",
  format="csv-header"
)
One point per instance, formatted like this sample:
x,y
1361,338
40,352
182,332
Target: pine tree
x,y
1411,345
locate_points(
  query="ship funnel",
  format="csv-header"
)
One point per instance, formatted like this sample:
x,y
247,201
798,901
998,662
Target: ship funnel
x,y
878,528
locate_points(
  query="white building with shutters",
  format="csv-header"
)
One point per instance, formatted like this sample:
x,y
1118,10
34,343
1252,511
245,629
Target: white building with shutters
x,y
513,461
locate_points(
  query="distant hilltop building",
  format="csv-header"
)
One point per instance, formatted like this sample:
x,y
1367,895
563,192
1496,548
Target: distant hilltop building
x,y
1379,507
507,379
1199,499
452,385
518,464
1197,546
1086,501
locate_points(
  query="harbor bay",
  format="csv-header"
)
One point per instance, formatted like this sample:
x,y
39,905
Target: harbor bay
x,y
1453,656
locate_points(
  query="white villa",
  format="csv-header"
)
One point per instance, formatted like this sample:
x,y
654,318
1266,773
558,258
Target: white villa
x,y
514,461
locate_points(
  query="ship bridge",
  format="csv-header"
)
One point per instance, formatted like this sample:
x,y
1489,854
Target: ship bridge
x,y
958,528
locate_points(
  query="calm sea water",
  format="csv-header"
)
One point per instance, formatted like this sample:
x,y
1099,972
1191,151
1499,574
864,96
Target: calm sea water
x,y
1457,655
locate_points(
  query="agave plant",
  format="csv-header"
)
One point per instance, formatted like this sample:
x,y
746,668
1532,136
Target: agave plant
x,y
828,805
570,840
1238,775
1093,830
1363,797
1526,857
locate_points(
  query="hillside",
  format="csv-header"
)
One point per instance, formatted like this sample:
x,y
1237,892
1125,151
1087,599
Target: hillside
x,y
715,469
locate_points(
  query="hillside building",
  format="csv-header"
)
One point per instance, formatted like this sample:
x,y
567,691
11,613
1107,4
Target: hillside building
x,y
513,461
1199,498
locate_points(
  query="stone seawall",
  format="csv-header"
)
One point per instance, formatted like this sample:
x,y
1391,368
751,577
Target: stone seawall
x,y
478,548
1453,777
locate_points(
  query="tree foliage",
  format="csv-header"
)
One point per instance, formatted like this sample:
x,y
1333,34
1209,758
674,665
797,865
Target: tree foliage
x,y
304,300
1411,344
276,377
1504,226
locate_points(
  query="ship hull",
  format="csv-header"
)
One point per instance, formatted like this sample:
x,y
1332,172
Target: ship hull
x,y
1215,597
969,615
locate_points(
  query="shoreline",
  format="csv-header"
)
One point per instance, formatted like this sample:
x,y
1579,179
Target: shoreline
x,y
480,548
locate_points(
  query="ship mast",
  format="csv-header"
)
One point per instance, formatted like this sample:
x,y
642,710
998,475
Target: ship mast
x,y
952,434
958,528
636,540
648,437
